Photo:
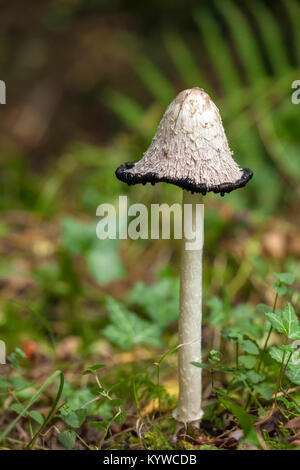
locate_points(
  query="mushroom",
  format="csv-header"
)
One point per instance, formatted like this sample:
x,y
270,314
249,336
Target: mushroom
x,y
189,150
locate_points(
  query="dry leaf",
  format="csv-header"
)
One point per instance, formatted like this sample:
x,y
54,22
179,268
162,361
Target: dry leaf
x,y
293,424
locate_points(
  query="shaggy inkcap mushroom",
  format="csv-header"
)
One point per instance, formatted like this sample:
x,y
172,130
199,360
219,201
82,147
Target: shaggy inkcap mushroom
x,y
189,150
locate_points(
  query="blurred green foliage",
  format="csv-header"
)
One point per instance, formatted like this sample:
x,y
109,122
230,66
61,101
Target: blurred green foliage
x,y
254,68
88,82
245,54
102,257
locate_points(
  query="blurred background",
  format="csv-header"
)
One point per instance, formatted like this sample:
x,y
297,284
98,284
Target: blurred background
x,y
87,83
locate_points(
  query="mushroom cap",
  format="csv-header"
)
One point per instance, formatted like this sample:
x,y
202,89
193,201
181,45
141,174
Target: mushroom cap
x,y
189,149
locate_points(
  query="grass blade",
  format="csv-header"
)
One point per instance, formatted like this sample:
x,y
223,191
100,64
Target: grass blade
x,y
245,421
35,397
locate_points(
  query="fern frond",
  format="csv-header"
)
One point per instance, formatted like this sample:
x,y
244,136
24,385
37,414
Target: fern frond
x,y
125,107
218,50
293,10
244,40
271,35
155,81
184,61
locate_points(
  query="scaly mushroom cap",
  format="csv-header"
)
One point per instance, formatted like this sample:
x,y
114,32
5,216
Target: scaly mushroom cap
x,y
189,149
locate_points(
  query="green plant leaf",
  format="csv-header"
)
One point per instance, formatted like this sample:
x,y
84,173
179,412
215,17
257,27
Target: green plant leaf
x,y
18,408
250,347
201,365
38,417
159,300
18,382
277,354
285,278
218,313
245,420
265,390
221,368
232,334
104,262
99,424
127,329
263,308
254,377
77,237
4,385
102,257
250,328
293,374
105,410
295,359
93,368
67,438
285,322
120,417
116,402
280,289
247,361
56,374
239,374
74,418
214,356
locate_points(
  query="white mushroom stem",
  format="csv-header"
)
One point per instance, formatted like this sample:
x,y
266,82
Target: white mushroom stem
x,y
189,401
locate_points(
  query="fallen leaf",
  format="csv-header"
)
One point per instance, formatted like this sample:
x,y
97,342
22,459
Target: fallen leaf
x,y
270,420
293,424
237,435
